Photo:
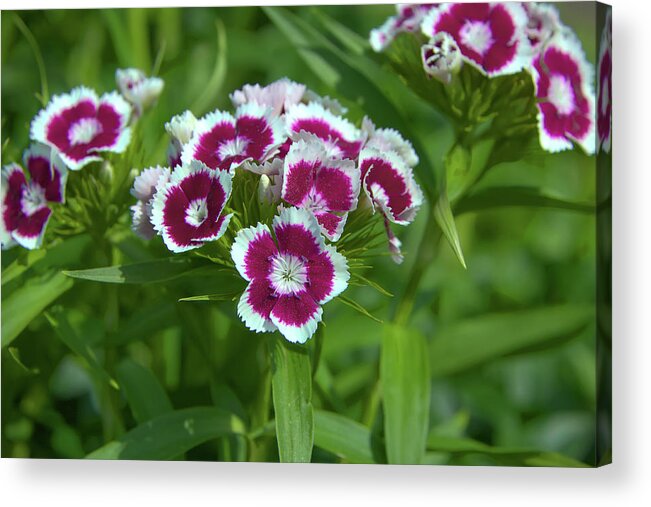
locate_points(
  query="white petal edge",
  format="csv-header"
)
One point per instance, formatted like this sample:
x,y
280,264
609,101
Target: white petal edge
x,y
253,320
299,334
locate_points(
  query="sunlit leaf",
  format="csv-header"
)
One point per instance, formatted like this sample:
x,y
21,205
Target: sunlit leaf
x,y
404,373
344,437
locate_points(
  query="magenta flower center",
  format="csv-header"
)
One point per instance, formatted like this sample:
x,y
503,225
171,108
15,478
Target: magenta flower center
x,y
288,274
84,131
196,212
477,35
561,95
33,199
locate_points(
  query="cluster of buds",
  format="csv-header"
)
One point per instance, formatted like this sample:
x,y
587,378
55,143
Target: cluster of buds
x,y
314,168
506,38
73,130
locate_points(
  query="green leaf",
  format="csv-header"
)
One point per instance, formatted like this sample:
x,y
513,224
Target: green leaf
x,y
291,381
24,304
358,308
143,323
69,336
146,397
501,455
160,270
481,339
215,84
22,264
344,437
444,217
229,296
497,197
172,434
404,373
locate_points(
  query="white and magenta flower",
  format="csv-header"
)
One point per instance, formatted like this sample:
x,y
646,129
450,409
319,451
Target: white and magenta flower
x,y
326,187
279,95
25,203
180,129
139,90
290,273
81,126
491,36
385,140
407,19
543,22
604,95
390,186
223,141
342,139
441,57
564,89
187,209
144,188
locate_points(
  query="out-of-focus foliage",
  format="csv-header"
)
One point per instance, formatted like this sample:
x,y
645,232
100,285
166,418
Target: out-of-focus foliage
x,y
511,339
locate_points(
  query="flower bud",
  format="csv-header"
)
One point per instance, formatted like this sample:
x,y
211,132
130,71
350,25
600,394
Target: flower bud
x,y
441,57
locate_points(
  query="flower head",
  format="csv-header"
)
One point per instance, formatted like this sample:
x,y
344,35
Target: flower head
x,y
139,90
81,126
290,273
187,209
144,188
342,138
407,19
391,188
223,141
279,95
605,74
543,22
566,103
441,57
490,35
25,203
326,187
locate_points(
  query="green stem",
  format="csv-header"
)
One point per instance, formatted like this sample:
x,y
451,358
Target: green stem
x,y
424,256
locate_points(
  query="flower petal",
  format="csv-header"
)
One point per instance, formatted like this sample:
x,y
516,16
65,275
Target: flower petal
x,y
251,251
255,306
328,274
301,163
297,232
332,225
390,184
296,316
342,138
144,185
181,127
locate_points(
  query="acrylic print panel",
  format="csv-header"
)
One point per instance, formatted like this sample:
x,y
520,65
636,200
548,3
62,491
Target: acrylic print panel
x,y
328,234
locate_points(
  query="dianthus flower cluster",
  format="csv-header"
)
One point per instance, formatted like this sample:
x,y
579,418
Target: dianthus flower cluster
x,y
505,38
314,166
73,130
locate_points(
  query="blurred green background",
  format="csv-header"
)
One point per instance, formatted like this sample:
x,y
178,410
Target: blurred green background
x,y
526,301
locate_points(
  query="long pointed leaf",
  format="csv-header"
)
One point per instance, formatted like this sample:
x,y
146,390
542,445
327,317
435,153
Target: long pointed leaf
x,y
291,382
404,372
